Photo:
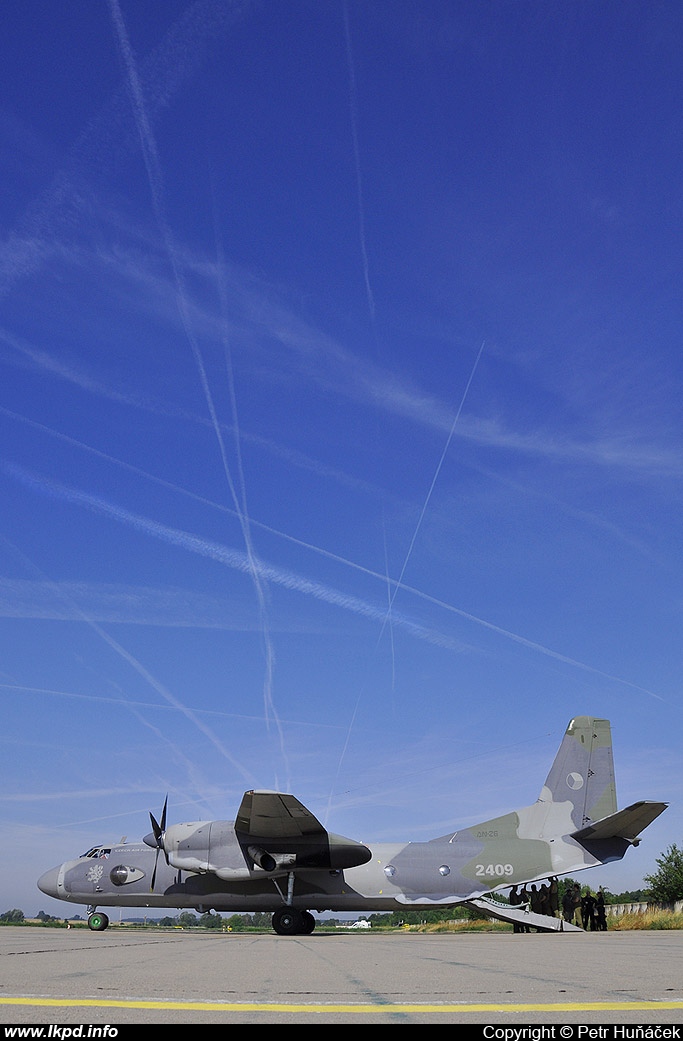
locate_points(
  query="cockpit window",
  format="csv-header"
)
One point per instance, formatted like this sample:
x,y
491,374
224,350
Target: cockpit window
x,y
97,851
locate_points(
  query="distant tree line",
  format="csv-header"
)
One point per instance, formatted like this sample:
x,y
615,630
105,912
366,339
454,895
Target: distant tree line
x,y
13,917
232,923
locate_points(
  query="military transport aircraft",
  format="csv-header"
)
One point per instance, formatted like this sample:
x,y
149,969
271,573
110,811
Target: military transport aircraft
x,y
277,857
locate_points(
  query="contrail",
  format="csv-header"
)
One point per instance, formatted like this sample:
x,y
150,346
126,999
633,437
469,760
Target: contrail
x,y
89,792
299,460
150,154
155,179
146,675
389,616
289,580
356,156
176,59
131,468
56,367
170,698
243,511
353,107
437,472
227,557
157,706
389,603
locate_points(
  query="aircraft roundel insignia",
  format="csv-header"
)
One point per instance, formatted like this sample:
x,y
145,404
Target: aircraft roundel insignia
x,y
574,781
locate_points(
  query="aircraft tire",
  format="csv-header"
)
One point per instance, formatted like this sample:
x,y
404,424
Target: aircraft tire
x,y
98,922
308,922
288,922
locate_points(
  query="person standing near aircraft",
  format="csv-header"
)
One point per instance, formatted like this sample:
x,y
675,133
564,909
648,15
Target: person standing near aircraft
x,y
516,901
576,895
568,906
526,899
588,910
554,897
544,899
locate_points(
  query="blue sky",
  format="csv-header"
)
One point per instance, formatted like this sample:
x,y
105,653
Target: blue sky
x,y
340,394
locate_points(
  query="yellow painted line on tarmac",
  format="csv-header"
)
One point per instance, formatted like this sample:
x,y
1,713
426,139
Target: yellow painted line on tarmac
x,y
248,1006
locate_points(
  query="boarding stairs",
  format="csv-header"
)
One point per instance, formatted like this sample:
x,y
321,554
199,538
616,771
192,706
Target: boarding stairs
x,y
522,915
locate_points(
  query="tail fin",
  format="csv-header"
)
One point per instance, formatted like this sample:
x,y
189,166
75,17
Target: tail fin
x,y
574,823
583,772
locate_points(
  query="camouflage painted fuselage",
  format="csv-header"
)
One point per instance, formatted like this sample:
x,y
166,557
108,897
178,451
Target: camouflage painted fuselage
x,y
573,825
424,873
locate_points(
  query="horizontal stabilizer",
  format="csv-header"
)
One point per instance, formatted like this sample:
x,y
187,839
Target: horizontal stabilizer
x,y
624,824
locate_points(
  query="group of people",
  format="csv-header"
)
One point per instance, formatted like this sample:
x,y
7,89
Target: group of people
x,y
584,910
542,899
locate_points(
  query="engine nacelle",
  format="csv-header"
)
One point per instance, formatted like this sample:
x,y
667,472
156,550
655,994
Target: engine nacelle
x,y
188,846
262,858
214,846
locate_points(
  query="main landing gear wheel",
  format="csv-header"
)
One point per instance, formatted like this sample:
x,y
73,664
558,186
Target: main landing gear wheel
x,y
98,922
289,922
308,922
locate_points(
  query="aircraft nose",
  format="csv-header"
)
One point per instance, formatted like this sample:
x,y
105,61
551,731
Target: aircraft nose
x,y
47,883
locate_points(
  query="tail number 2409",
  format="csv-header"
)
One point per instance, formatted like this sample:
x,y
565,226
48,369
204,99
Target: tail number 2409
x,y
494,870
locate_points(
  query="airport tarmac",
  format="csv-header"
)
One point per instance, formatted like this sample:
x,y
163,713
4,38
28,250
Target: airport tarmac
x,y
124,975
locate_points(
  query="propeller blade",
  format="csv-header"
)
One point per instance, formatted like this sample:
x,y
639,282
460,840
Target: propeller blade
x,y
163,815
154,872
158,829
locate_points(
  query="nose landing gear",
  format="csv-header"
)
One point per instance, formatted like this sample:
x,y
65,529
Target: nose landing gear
x,y
97,921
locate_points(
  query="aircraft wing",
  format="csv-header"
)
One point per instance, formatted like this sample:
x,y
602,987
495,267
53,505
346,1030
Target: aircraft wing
x,y
277,823
624,824
273,815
